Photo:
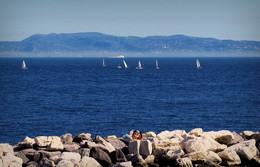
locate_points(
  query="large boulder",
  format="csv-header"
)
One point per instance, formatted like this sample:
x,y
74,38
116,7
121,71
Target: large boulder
x,y
72,147
173,155
10,160
222,136
196,132
55,144
143,147
83,136
184,162
29,140
108,146
49,154
229,157
89,162
246,149
71,156
6,148
45,162
171,134
65,163
22,156
66,138
204,156
31,154
117,156
101,156
90,145
116,143
237,139
42,141
203,144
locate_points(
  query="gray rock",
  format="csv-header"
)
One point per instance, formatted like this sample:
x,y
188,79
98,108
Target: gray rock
x,y
32,164
48,154
73,147
117,156
29,153
22,156
108,146
101,156
116,143
45,162
81,137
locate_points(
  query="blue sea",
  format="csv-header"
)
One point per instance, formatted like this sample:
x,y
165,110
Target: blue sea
x,y
55,96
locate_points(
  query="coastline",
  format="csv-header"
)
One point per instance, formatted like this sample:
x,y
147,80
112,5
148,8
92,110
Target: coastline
x,y
168,148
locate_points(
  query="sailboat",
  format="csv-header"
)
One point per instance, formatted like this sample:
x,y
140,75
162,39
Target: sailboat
x,y
156,64
139,67
198,64
119,66
104,65
24,65
126,66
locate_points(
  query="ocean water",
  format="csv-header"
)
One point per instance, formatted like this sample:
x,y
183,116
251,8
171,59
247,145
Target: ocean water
x,y
55,96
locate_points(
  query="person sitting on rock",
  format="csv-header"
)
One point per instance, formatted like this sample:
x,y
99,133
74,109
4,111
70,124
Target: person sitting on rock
x,y
137,135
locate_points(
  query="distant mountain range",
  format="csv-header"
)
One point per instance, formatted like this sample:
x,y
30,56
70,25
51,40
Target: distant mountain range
x,y
98,42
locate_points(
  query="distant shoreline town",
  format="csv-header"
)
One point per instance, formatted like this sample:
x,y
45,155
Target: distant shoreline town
x,y
101,45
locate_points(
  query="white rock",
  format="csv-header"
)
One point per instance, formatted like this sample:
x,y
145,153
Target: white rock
x,y
89,162
203,144
222,136
6,148
184,162
70,156
124,164
42,141
29,140
245,149
65,163
56,144
172,134
213,157
197,156
9,159
197,132
149,134
247,133
173,155
230,157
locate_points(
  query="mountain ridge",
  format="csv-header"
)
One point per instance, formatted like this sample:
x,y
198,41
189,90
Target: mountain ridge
x,y
95,41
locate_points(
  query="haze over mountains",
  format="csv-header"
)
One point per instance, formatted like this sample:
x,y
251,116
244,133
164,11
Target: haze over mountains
x,y
87,44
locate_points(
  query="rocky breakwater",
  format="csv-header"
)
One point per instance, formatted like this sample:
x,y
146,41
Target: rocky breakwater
x,y
168,148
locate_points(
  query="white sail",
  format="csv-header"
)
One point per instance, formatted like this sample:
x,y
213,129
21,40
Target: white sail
x,y
156,64
24,65
104,65
139,65
125,64
198,64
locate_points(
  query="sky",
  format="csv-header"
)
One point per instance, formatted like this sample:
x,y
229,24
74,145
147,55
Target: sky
x,y
221,19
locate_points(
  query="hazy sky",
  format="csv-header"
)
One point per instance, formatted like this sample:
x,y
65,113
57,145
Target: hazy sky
x,y
222,19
